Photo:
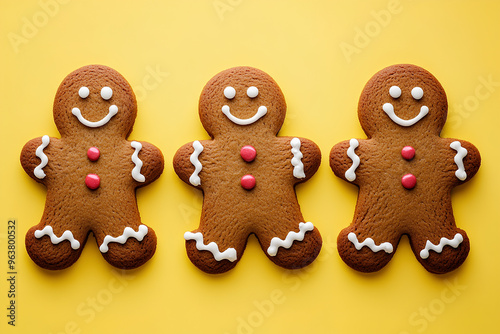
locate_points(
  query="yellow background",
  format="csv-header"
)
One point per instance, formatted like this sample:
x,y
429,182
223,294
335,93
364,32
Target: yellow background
x,y
321,54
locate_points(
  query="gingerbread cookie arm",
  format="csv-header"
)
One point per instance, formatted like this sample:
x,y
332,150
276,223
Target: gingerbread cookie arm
x,y
345,159
147,162
36,157
187,163
466,159
305,157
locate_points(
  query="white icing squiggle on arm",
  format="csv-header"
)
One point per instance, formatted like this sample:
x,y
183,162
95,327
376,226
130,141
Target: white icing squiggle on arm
x,y
128,232
228,254
370,243
455,242
136,172
290,238
39,173
298,166
67,235
459,160
194,179
350,174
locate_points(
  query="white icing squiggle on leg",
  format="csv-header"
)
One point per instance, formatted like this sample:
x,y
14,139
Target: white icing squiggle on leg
x,y
128,232
194,179
350,174
136,172
455,242
67,235
290,238
370,243
39,173
298,166
228,254
459,160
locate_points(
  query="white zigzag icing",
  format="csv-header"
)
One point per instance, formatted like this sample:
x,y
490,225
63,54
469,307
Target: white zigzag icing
x,y
67,235
459,160
370,243
455,242
128,232
298,166
228,254
194,179
39,173
290,238
350,174
136,172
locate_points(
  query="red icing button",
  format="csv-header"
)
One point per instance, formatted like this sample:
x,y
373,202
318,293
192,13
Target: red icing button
x,y
92,181
408,152
93,153
248,153
409,181
248,181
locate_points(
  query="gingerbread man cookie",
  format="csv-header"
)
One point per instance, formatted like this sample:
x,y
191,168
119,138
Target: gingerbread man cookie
x,y
91,174
247,175
405,173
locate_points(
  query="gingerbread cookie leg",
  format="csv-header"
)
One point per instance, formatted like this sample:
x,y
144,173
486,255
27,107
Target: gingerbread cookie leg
x,y
217,245
54,244
289,240
441,250
364,251
370,242
125,242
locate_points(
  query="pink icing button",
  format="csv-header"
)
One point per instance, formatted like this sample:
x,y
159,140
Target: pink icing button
x,y
248,182
248,153
409,181
92,181
408,152
93,153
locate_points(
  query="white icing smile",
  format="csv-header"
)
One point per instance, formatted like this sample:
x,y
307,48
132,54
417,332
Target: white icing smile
x,y
113,110
389,110
260,112
395,92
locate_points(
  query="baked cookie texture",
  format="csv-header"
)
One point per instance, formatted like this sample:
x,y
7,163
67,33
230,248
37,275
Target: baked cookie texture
x,y
247,174
405,173
91,174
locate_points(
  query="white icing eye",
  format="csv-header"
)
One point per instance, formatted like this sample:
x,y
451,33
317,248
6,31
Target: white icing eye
x,y
252,92
229,92
417,93
395,92
83,92
106,93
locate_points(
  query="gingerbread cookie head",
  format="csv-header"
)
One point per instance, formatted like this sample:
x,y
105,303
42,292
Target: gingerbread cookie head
x,y
96,98
242,99
402,96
